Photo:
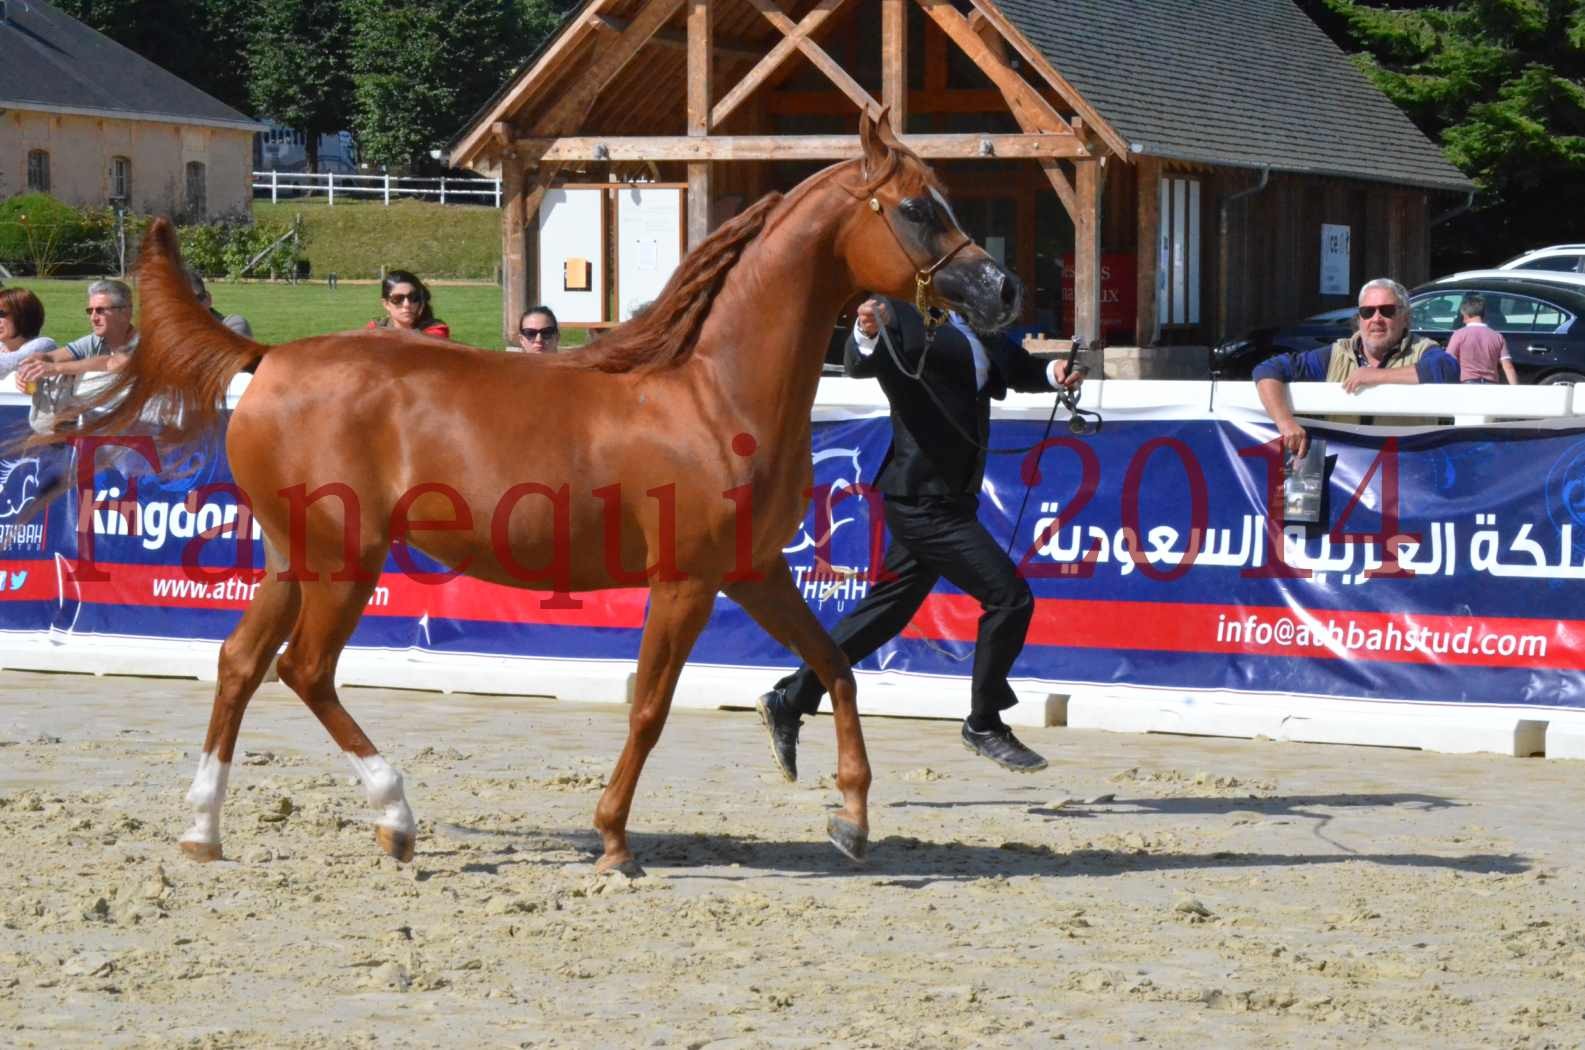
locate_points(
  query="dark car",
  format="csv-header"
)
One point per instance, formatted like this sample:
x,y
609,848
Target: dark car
x,y
1237,358
1538,316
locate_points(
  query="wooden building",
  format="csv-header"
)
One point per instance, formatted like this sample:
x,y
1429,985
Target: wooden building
x,y
91,123
1263,175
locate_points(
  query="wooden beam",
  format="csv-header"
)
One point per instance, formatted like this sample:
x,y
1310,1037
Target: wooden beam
x,y
894,61
732,50
567,112
699,73
795,38
1037,62
1034,114
1147,321
830,104
514,254
529,80
1059,181
790,147
1087,253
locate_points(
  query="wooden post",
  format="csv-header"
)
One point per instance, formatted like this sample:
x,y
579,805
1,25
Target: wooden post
x,y
1087,251
894,61
1147,321
700,67
514,254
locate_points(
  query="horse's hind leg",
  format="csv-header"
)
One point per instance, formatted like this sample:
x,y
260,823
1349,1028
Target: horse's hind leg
x,y
244,658
677,613
776,605
308,666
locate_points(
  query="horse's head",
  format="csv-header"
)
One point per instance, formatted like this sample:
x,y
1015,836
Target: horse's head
x,y
907,243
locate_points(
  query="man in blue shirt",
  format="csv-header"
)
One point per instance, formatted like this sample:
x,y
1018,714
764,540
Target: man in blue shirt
x,y
1382,350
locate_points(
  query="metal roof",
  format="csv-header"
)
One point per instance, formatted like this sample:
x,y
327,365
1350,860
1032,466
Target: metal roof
x,y
56,64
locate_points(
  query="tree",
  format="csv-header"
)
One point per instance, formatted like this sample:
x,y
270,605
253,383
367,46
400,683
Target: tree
x,y
420,69
298,63
1500,85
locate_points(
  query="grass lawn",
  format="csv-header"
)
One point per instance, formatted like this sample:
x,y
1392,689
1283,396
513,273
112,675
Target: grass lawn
x,y
280,313
356,238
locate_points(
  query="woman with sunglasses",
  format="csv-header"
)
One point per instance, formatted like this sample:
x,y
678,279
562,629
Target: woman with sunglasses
x,y
21,318
538,332
408,306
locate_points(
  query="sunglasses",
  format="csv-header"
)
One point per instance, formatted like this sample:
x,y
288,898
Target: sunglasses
x,y
402,299
94,311
537,333
1389,311
4,314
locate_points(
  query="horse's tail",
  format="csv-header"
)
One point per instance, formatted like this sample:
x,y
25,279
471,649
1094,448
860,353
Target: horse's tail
x,y
176,380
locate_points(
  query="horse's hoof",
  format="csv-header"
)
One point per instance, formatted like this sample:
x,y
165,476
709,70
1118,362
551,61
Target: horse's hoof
x,y
202,852
852,840
629,867
398,844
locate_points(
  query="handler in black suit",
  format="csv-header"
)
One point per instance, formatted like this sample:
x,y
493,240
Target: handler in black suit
x,y
930,481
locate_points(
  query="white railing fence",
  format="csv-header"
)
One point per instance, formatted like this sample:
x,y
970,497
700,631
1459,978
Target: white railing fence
x,y
445,189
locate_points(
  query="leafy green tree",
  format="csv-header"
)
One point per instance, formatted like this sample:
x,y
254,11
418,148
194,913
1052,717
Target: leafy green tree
x,y
420,69
299,67
1500,85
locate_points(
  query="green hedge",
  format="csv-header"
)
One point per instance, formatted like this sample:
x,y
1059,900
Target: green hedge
x,y
40,235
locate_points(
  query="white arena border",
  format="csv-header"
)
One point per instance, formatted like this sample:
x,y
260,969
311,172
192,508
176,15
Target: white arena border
x,y
1452,727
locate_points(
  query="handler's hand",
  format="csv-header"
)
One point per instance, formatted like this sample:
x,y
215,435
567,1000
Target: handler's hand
x,y
873,313
1294,438
1071,380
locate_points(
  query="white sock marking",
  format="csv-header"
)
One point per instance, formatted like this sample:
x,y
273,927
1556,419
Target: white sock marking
x,y
384,786
207,794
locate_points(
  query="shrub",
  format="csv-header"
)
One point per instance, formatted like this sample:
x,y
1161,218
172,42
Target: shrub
x,y
42,235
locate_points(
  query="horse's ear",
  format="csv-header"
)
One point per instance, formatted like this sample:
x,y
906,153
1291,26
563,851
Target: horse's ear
x,y
887,135
872,136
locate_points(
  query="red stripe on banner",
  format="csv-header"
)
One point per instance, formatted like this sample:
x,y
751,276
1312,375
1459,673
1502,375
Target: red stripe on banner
x,y
27,581
1324,634
396,595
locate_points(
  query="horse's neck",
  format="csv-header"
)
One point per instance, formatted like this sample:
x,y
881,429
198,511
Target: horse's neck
x,y
772,321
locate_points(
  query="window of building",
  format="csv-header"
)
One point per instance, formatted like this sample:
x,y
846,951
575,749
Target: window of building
x,y
38,171
120,178
197,189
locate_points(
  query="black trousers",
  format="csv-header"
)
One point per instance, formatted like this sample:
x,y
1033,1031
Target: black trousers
x,y
931,538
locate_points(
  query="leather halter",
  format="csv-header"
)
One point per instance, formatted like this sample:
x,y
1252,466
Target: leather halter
x,y
924,276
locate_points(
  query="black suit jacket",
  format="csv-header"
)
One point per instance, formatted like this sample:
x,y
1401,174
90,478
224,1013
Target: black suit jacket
x,y
928,457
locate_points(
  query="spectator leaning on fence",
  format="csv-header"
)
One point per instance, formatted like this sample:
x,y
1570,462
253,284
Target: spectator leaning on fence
x,y
1381,350
409,306
1479,349
21,318
105,349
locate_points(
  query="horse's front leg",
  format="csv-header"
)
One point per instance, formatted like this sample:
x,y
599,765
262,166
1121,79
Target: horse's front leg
x,y
677,613
776,605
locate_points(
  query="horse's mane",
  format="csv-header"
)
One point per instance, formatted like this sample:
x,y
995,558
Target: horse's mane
x,y
666,333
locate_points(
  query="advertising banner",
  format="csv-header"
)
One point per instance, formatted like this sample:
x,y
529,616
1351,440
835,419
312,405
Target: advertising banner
x,y
1443,567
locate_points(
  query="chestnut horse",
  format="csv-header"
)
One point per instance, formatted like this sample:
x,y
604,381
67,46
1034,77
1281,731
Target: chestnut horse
x,y
673,453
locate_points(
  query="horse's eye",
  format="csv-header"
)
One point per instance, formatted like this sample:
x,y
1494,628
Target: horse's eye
x,y
915,209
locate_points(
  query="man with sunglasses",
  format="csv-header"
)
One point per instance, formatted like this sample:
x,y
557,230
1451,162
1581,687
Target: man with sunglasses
x,y
105,349
1381,350
537,331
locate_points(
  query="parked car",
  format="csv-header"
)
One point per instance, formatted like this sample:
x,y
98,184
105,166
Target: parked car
x,y
1538,313
1236,358
1559,258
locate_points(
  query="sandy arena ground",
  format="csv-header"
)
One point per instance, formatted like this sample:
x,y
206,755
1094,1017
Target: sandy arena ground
x,y
1150,890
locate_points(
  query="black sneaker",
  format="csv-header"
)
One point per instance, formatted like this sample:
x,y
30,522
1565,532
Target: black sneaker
x,y
1000,746
781,722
